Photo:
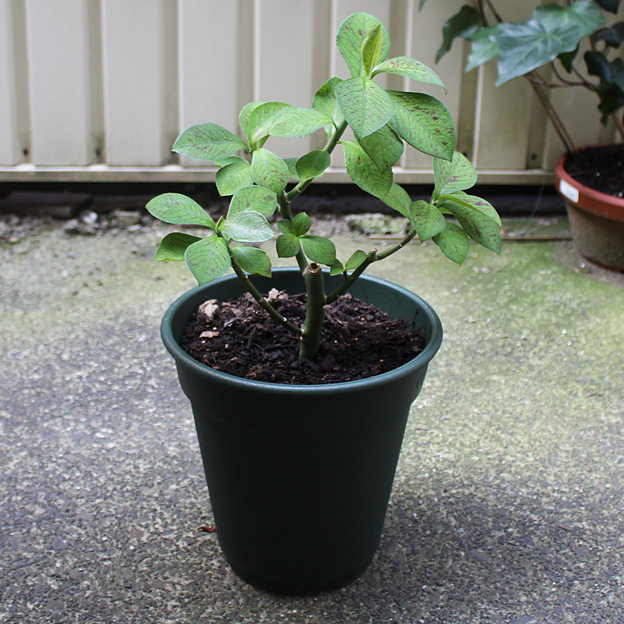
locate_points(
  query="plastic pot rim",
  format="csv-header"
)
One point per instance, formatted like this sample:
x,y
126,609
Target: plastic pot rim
x,y
422,359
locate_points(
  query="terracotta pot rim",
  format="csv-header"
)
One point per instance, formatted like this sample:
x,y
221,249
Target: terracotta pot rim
x,y
586,198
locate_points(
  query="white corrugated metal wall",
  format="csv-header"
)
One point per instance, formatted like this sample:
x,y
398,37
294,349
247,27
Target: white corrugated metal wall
x,y
99,89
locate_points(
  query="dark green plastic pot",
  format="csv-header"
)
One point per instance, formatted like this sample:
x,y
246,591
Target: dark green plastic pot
x,y
300,476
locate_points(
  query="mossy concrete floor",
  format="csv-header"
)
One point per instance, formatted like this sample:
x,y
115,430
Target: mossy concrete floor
x,y
507,505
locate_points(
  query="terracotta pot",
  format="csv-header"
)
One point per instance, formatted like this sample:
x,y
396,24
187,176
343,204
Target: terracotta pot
x,y
596,220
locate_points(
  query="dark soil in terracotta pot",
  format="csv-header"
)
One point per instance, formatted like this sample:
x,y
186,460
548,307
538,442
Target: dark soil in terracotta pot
x,y
238,337
600,168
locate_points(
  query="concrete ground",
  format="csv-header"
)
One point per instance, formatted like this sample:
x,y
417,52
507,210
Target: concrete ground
x,y
507,504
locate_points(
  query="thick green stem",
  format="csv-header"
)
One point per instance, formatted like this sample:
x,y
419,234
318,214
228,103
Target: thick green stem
x,y
315,312
257,295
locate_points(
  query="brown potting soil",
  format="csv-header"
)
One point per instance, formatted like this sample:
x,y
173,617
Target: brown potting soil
x,y
600,168
238,337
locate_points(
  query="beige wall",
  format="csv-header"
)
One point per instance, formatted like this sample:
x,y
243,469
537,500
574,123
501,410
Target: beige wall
x,y
99,89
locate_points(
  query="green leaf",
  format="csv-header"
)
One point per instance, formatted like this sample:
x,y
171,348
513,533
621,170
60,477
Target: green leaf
x,y
383,147
609,5
409,68
336,268
269,170
457,175
398,199
255,198
567,59
208,142
481,228
252,260
325,101
364,104
247,227
173,246
611,87
291,163
453,242
319,249
260,121
313,164
245,114
228,160
425,123
285,226
612,36
355,260
287,245
584,14
297,122
529,45
426,219
598,65
484,47
301,224
208,259
351,36
233,177
179,209
372,49
473,202
462,24
364,172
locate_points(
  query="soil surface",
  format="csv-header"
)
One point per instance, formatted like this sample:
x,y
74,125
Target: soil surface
x,y
240,338
600,168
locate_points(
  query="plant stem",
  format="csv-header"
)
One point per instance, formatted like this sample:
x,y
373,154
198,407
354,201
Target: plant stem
x,y
566,139
257,295
286,198
618,125
373,256
329,148
286,213
350,279
315,312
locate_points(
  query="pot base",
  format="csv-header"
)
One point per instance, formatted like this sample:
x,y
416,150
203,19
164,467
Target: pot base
x,y
597,239
292,589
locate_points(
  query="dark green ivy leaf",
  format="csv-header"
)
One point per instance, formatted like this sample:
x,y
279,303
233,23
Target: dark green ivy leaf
x,y
464,23
612,36
609,5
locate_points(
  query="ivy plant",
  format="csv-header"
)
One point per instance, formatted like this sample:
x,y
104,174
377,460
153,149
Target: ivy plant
x,y
262,186
546,50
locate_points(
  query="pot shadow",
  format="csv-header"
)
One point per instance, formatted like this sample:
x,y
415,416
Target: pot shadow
x,y
510,558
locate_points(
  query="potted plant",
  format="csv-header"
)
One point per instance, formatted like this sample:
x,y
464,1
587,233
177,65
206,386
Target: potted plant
x,y
545,50
299,474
